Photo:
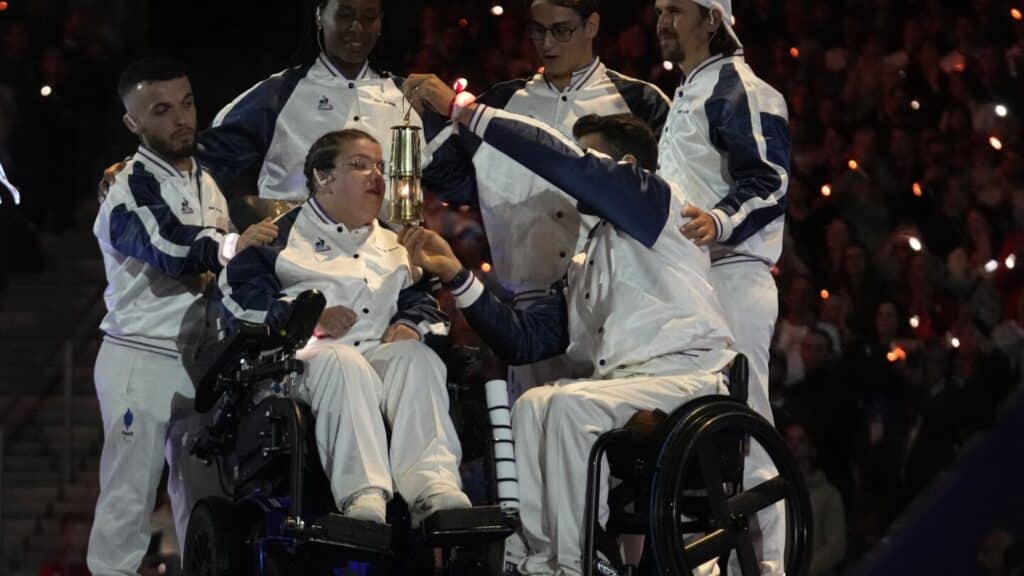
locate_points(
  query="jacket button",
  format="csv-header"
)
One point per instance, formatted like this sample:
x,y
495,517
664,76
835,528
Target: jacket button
x,y
600,330
565,98
586,296
356,119
561,254
351,85
356,256
341,228
558,214
366,310
601,362
357,344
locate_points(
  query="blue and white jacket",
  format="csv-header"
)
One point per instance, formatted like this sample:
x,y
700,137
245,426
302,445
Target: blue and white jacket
x,y
365,270
532,226
272,126
638,293
726,143
159,230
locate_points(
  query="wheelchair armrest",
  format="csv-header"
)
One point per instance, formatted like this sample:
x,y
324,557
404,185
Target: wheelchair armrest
x,y
739,378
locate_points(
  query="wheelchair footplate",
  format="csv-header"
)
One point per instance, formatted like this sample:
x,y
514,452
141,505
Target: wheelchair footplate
x,y
357,535
468,526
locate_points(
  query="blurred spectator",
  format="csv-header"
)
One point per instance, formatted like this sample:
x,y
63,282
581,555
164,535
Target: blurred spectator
x,y
827,511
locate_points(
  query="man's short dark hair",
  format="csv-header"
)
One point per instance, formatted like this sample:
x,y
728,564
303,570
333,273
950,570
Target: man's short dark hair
x,y
582,7
625,133
722,43
149,70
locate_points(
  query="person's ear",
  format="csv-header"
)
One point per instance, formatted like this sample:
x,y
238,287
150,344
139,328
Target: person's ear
x,y
322,179
131,123
592,25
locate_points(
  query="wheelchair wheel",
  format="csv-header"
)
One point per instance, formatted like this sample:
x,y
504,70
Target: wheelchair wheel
x,y
213,545
690,527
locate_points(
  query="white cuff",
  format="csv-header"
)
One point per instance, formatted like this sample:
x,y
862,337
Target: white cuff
x,y
481,118
228,247
723,223
469,292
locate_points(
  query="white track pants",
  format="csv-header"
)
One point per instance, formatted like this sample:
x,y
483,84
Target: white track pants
x,y
749,297
356,399
554,428
141,393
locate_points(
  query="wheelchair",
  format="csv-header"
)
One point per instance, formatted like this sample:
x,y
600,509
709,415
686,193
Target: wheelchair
x,y
278,516
682,489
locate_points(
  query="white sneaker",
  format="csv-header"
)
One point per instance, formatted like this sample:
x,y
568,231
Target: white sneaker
x,y
368,505
445,498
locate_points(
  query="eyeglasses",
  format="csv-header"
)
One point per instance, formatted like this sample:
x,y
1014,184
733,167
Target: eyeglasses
x,y
364,165
560,32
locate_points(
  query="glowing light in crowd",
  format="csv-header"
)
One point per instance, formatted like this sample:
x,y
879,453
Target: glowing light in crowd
x,y
896,354
825,295
1010,261
995,143
954,342
915,105
460,84
497,10
853,164
991,266
826,190
915,244
3,6
794,52
917,189
45,91
1014,13
1001,111
667,65
915,321
463,23
486,267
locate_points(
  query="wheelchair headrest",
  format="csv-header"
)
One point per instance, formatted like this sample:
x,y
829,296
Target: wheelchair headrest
x,y
248,210
739,378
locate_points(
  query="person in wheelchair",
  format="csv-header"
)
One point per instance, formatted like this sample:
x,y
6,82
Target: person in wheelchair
x,y
635,305
369,374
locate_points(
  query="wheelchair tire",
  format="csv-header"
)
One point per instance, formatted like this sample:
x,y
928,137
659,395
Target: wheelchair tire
x,y
213,545
689,443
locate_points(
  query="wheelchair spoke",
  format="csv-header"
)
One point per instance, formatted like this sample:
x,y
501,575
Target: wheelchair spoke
x,y
759,497
707,453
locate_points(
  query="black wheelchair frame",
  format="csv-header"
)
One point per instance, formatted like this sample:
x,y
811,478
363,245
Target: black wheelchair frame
x,y
280,499
683,476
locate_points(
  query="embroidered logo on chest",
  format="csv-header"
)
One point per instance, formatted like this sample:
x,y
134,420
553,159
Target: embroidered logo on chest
x,y
325,104
321,245
185,208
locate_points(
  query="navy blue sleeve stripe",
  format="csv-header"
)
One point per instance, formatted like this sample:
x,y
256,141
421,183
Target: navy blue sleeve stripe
x,y
500,94
758,178
644,100
755,221
249,287
146,228
634,200
522,336
240,141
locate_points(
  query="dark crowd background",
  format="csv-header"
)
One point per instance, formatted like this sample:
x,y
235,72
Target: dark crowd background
x,y
901,324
